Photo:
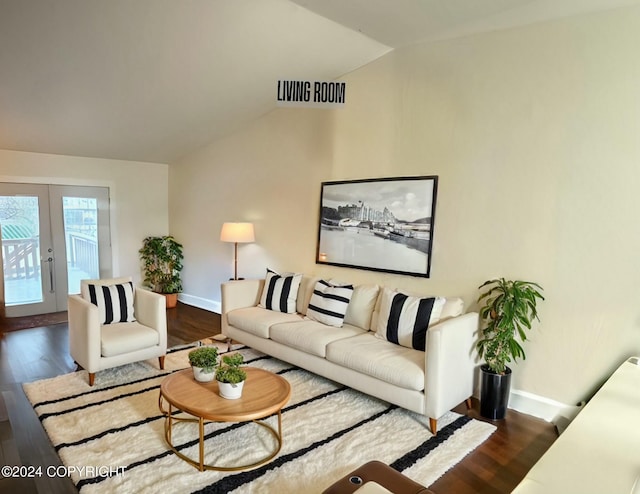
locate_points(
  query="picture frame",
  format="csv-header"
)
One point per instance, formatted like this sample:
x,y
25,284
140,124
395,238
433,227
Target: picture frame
x,y
378,224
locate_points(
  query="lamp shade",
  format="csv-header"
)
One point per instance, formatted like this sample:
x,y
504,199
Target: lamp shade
x,y
237,232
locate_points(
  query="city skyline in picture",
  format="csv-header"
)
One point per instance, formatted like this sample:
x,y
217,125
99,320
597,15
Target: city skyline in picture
x,y
407,199
378,224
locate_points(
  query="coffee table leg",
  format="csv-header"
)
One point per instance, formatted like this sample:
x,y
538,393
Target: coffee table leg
x,y
201,444
169,424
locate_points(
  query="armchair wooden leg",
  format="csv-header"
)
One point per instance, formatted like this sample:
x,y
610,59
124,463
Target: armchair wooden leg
x,y
92,378
468,403
161,362
433,425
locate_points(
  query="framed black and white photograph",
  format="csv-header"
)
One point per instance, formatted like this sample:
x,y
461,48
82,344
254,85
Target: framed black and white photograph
x,y
381,224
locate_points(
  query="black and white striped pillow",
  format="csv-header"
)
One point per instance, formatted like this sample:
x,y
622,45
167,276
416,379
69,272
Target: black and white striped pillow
x,y
329,303
115,302
404,319
280,293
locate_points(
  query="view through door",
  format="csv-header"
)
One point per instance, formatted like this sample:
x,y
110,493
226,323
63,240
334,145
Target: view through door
x,y
53,236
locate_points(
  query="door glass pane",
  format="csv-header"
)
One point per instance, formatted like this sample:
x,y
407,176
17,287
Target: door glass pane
x,y
21,249
81,238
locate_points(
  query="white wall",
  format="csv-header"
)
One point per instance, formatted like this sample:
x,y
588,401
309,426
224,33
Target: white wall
x,y
138,191
534,134
269,175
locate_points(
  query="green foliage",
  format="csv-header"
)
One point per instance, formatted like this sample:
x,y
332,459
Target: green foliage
x,y
162,258
229,370
509,308
205,357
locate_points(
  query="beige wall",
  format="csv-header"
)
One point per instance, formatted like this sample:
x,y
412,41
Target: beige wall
x,y
138,191
534,134
269,174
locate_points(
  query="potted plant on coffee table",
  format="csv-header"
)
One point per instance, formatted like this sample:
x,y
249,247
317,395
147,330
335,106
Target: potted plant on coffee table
x,y
231,376
203,360
508,309
162,258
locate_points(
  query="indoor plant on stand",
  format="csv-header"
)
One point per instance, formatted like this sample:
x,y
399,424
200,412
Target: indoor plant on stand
x,y
230,376
509,308
162,258
203,360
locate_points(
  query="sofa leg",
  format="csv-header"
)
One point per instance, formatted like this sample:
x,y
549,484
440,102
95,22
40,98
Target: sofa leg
x,y
92,378
433,425
468,403
161,362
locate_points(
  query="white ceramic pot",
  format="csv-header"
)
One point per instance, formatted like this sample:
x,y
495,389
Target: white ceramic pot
x,y
201,376
230,391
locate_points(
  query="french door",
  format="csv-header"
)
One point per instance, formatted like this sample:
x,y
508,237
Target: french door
x,y
53,236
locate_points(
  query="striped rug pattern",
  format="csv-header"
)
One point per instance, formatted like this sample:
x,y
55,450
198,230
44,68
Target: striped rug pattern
x,y
113,434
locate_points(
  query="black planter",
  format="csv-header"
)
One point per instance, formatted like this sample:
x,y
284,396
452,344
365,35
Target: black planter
x,y
494,393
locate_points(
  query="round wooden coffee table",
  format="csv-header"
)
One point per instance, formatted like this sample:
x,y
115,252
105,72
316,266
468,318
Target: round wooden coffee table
x,y
264,394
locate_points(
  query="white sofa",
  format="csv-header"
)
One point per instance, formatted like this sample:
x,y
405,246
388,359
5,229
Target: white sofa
x,y
599,451
430,382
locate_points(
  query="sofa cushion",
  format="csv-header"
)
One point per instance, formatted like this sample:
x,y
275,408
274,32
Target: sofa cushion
x,y
125,337
361,306
378,358
257,321
329,303
403,319
280,292
310,336
114,302
453,307
305,291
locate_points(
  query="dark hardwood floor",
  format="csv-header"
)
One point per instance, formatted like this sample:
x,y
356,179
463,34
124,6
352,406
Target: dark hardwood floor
x,y
31,354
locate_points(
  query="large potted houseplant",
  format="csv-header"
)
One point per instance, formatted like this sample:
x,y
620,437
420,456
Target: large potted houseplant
x,y
509,308
162,259
203,361
231,376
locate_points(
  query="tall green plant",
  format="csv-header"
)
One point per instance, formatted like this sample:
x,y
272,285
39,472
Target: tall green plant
x,y
162,259
509,308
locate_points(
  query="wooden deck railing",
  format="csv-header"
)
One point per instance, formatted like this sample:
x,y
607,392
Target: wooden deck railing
x,y
21,258
82,252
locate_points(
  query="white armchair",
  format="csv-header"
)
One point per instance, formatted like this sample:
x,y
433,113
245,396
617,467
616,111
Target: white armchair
x,y
97,346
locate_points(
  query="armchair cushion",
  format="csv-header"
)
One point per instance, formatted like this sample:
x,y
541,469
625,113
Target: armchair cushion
x,y
114,302
125,337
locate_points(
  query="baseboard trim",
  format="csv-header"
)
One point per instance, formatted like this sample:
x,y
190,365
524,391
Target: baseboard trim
x,y
541,407
202,303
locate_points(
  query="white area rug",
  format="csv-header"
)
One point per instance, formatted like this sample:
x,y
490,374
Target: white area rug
x,y
328,431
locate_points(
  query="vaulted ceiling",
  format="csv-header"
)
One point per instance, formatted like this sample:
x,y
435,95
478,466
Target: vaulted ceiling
x,y
151,80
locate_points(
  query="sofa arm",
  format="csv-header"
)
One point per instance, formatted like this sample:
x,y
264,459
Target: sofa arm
x,y
150,310
241,293
450,360
84,332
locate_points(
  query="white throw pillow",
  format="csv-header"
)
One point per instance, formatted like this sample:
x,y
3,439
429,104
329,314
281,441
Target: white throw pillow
x,y
114,302
329,303
361,306
404,319
280,292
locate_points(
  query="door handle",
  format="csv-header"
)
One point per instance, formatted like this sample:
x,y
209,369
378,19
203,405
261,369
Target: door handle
x,y
51,284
